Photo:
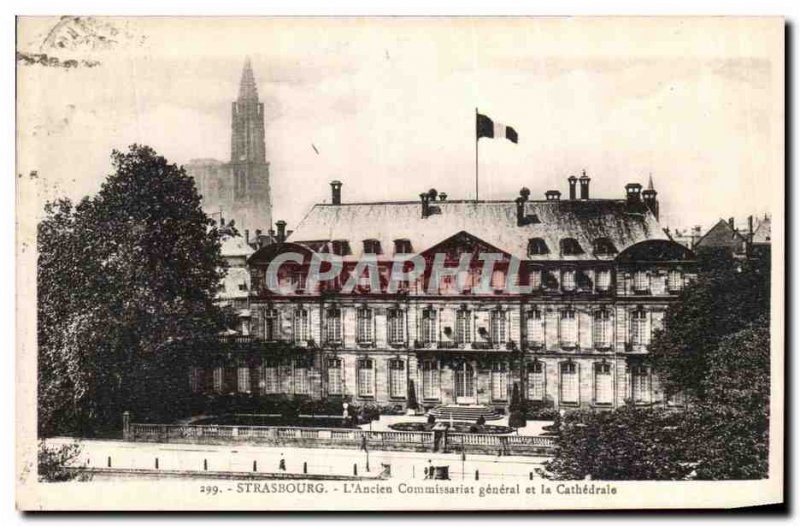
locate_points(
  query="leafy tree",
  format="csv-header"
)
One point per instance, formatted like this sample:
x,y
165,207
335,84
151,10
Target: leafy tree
x,y
626,444
123,277
726,296
731,425
412,396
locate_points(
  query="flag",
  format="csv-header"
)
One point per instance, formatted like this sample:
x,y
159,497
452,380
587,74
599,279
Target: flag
x,y
486,127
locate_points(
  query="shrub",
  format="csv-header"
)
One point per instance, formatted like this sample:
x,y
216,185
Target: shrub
x,y
53,462
412,396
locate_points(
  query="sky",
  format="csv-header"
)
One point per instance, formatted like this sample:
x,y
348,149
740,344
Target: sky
x,y
389,105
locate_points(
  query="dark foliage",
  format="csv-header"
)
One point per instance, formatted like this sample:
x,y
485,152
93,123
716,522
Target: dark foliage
x,y
122,278
54,460
412,396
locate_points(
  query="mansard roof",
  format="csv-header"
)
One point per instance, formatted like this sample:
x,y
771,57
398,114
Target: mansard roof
x,y
494,222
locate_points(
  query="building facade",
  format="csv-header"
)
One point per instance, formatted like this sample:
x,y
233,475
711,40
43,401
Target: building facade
x,y
600,274
239,190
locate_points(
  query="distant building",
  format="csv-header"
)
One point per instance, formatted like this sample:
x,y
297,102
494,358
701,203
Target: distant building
x,y
239,190
724,235
602,273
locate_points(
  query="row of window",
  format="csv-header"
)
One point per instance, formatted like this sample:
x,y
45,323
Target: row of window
x,y
567,280
462,332
274,378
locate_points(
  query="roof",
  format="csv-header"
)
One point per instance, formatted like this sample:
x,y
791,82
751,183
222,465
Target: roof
x,y
722,235
236,247
495,222
763,232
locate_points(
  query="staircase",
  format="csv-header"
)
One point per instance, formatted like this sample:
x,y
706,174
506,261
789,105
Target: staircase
x,y
466,413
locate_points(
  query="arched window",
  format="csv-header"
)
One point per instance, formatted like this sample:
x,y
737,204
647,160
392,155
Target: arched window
x,y
537,247
570,247
604,247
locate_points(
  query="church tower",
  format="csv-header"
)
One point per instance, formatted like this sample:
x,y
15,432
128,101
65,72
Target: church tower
x,y
252,200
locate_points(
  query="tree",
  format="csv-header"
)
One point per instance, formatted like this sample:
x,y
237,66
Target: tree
x,y
731,425
726,296
626,444
123,277
516,418
412,396
56,463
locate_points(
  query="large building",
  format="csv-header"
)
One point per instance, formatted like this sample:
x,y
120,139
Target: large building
x,y
601,274
239,190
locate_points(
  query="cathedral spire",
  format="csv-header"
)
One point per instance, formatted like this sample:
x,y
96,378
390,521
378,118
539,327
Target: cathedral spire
x,y
247,86
650,183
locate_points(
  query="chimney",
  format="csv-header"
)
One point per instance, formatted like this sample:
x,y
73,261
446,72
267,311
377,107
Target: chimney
x,y
424,198
247,236
443,197
552,195
585,186
633,191
572,182
524,193
281,224
731,223
336,192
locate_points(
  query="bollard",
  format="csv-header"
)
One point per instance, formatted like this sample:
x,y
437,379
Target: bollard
x,y
156,462
476,475
305,468
109,461
530,475
355,469
255,466
205,464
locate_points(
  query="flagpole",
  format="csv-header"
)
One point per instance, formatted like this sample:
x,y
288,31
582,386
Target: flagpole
x,y
476,154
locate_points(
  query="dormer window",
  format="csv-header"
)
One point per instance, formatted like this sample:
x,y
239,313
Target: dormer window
x,y
402,246
537,247
340,247
570,247
604,247
372,246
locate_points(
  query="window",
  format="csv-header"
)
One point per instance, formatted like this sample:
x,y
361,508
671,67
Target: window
x,y
498,280
674,280
271,381
243,379
364,328
300,326
372,246
570,247
583,281
366,378
568,328
402,246
499,381
640,384
297,279
537,247
195,379
301,377
430,380
397,326
603,384
536,379
603,247
603,280
676,398
498,327
334,372
569,383
333,327
534,327
340,247
428,326
601,329
217,379
568,280
271,325
397,379
535,279
641,282
639,334
463,327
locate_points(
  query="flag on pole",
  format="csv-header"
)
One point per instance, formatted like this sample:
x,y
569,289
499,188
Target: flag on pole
x,y
486,127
